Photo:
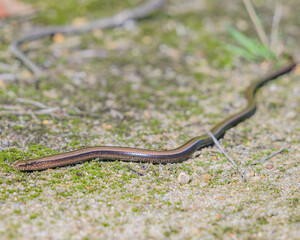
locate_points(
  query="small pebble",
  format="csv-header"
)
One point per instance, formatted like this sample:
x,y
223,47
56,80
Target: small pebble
x,y
256,178
59,38
96,123
4,143
291,115
183,178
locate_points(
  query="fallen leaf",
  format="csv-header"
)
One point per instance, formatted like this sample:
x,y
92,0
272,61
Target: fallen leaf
x,y
59,38
50,93
2,85
106,126
80,21
146,40
269,166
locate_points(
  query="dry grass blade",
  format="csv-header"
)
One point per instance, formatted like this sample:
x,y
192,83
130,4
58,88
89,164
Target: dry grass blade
x,y
263,159
138,12
243,173
31,102
220,147
275,27
258,26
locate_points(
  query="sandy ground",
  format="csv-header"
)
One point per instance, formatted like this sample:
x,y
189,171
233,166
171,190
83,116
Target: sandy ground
x,y
153,84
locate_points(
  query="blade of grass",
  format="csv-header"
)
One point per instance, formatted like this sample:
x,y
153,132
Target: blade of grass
x,y
275,27
257,23
241,52
246,42
258,51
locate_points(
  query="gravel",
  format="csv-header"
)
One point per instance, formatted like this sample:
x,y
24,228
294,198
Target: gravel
x,y
151,91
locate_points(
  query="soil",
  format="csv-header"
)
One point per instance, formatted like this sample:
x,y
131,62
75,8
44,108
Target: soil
x,y
153,83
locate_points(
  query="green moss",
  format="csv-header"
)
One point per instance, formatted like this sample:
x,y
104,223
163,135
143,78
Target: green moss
x,y
281,169
19,127
262,221
108,85
155,126
226,229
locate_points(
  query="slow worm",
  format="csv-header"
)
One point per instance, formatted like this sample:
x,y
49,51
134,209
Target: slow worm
x,y
154,156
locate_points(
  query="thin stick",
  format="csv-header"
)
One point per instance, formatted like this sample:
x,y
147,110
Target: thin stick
x,y
275,27
47,111
17,113
260,161
10,107
110,22
32,102
8,77
257,24
220,147
134,171
265,158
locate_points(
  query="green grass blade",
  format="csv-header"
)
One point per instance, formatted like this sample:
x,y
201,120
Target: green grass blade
x,y
251,49
242,52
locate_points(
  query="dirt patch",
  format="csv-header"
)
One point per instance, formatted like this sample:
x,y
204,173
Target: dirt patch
x,y
153,84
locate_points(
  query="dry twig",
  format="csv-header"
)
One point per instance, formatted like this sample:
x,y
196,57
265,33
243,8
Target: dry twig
x,y
47,111
32,102
8,77
243,173
275,27
262,160
220,147
110,22
134,171
20,111
255,19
